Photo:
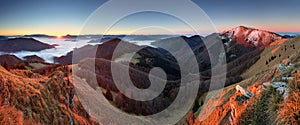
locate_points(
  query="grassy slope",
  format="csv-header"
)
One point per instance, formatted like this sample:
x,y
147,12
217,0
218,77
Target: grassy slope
x,y
261,65
32,98
264,105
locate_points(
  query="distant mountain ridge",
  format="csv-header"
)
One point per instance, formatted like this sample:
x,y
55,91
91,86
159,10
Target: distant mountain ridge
x,y
23,44
251,36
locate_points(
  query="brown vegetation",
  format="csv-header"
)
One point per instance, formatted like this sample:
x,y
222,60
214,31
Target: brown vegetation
x,y
39,99
289,112
6,65
20,66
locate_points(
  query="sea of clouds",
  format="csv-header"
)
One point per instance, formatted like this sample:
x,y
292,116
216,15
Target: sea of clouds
x,y
67,45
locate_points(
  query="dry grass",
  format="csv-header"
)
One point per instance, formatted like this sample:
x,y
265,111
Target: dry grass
x,y
290,110
39,99
262,108
10,116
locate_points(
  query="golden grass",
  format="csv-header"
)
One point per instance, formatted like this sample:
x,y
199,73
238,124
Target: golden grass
x,y
289,113
10,116
34,99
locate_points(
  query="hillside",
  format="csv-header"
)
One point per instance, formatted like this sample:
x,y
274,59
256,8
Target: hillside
x,y
29,98
33,58
269,94
11,60
23,44
280,51
262,80
104,50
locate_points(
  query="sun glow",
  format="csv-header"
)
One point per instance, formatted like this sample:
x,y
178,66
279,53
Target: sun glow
x,y
58,36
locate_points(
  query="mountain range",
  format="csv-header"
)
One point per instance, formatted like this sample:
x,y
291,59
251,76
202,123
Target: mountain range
x,y
257,61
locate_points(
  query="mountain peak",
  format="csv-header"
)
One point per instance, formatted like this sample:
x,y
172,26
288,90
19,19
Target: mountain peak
x,y
251,36
245,27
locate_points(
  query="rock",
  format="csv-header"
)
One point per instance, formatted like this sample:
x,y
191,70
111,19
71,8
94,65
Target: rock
x,y
285,94
278,84
233,111
286,61
283,68
281,90
281,87
287,78
266,84
275,84
244,91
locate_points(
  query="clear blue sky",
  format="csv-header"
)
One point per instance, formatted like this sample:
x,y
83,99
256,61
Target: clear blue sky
x,y
61,17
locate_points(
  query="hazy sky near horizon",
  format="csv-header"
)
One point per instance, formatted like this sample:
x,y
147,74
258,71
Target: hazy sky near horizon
x,y
61,17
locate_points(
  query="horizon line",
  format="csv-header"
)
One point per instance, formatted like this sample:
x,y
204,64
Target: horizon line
x,y
52,35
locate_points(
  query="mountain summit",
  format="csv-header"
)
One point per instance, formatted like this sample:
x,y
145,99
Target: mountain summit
x,y
251,36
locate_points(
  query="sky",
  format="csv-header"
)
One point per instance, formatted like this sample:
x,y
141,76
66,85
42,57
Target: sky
x,y
61,17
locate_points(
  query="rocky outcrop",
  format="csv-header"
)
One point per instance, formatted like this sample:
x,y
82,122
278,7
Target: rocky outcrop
x,y
283,68
275,84
244,91
237,103
281,87
233,113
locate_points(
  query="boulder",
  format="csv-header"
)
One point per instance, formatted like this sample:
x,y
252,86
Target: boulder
x,y
287,78
281,90
283,68
275,84
244,91
281,87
